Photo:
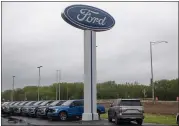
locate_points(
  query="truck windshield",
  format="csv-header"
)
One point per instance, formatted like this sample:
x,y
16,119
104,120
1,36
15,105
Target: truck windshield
x,y
44,103
67,103
17,103
30,103
130,103
37,103
57,102
5,103
22,103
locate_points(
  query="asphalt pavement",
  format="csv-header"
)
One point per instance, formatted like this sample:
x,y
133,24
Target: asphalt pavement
x,y
19,120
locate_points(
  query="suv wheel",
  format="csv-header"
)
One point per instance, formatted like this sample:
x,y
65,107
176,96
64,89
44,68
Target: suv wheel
x,y
116,120
63,116
139,121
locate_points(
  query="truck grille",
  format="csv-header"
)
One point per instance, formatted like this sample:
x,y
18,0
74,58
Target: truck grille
x,y
51,110
39,110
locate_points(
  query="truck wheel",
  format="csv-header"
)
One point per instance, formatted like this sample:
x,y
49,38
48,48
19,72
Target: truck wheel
x,y
63,116
109,118
116,120
139,121
99,114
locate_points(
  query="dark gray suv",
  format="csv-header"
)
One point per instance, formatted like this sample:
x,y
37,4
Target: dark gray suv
x,y
126,109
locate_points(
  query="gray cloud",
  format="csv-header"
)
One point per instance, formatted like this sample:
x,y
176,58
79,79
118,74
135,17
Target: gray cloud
x,y
34,34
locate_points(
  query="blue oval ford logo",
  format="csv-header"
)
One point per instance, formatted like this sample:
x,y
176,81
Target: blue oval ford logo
x,y
88,18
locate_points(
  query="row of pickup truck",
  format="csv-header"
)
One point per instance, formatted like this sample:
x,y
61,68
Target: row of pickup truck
x,y
50,109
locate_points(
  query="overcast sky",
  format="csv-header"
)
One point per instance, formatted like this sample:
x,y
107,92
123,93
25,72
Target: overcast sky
x,y
34,34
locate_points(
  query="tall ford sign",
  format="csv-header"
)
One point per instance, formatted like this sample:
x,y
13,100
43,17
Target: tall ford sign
x,y
91,20
88,18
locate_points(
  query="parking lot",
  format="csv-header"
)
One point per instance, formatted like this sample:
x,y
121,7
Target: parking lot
x,y
39,121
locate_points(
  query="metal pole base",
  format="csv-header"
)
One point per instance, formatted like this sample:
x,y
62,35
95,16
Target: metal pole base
x,y
95,116
87,116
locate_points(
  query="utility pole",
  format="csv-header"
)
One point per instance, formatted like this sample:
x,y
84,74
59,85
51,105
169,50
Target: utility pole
x,y
25,98
58,83
12,94
152,84
57,86
39,83
67,92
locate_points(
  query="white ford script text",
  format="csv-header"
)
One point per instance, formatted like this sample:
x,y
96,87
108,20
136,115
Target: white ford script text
x,y
86,15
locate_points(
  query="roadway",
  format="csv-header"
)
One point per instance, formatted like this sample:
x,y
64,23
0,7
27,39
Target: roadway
x,y
37,121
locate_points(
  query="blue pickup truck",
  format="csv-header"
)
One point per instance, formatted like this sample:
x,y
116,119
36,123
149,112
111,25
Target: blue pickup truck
x,y
70,109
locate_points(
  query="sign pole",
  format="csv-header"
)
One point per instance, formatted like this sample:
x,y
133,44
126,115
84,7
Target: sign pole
x,y
94,77
91,20
89,76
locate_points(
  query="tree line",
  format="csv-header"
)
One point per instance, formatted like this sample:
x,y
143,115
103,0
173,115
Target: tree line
x,y
164,90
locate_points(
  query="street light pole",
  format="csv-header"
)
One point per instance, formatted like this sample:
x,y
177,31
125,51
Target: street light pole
x,y
12,94
57,87
59,84
58,81
39,82
67,92
153,98
152,84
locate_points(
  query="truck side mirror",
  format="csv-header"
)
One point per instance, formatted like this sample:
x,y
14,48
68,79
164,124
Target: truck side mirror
x,y
111,105
72,105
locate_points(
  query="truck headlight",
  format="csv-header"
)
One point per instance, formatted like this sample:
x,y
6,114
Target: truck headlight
x,y
56,110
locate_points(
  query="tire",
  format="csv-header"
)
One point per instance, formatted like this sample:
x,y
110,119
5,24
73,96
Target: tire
x,y
109,118
63,116
178,121
139,121
116,120
99,117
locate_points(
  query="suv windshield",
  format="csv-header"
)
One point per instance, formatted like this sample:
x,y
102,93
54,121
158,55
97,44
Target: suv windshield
x,y
130,103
